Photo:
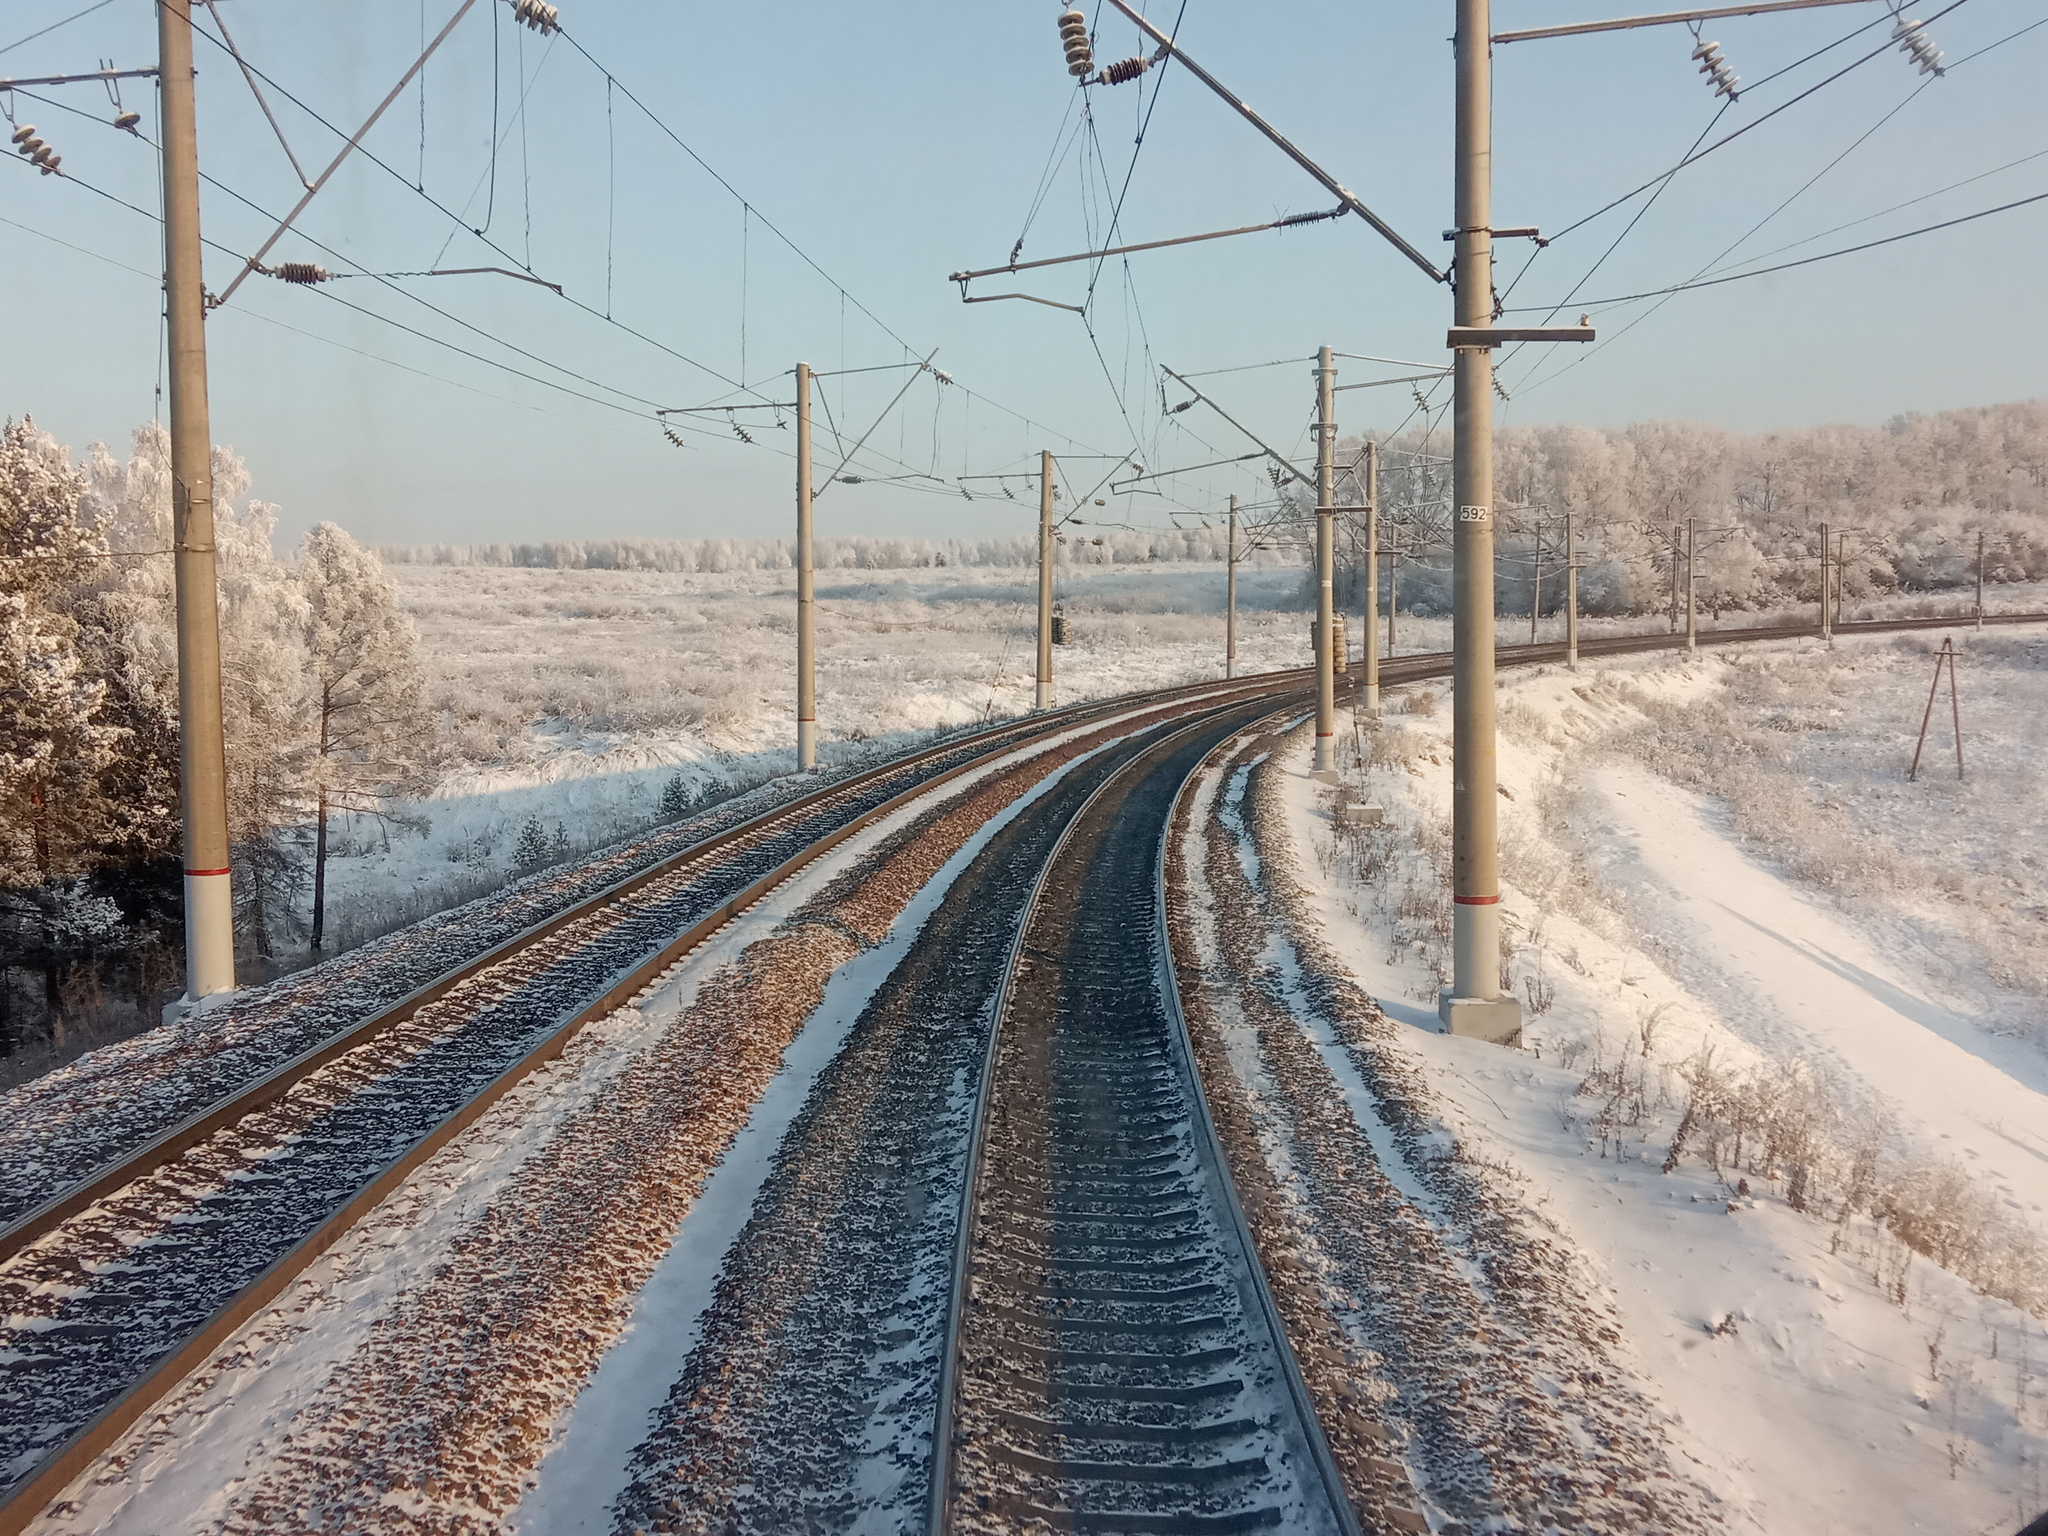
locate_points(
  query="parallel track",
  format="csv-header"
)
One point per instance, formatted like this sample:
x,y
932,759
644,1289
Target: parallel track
x,y
367,1108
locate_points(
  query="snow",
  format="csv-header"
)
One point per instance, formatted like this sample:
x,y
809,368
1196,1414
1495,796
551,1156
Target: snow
x,y
1823,1378
587,1465
219,1436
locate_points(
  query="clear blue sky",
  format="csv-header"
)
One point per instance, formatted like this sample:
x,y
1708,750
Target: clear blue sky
x,y
895,144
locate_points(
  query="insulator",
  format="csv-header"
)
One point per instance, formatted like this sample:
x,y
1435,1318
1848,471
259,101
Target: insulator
x,y
669,432
738,431
29,146
1916,45
537,15
42,154
851,480
299,272
1080,52
1715,68
24,132
49,167
1126,69
128,120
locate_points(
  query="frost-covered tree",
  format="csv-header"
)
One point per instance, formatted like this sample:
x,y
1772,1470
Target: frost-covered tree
x,y
55,740
365,684
263,675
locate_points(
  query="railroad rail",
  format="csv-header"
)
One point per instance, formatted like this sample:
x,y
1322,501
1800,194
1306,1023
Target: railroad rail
x,y
1115,1362
270,1177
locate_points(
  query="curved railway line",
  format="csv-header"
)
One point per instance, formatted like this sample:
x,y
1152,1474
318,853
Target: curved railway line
x,y
1112,1359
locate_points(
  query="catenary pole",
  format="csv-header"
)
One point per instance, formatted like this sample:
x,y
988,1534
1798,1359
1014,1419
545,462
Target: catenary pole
x,y
1393,595
806,600
1980,578
1536,583
1044,695
1372,580
1827,618
1673,616
1326,560
1473,1004
1692,587
202,753
1571,594
1230,600
1841,574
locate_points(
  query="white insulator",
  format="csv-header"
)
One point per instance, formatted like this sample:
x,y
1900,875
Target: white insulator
x,y
49,167
25,131
30,147
128,120
1074,35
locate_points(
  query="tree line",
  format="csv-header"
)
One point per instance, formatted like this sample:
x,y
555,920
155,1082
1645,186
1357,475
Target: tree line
x,y
1907,500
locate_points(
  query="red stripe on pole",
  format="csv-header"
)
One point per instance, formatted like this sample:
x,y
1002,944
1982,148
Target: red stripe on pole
x,y
1475,901
205,871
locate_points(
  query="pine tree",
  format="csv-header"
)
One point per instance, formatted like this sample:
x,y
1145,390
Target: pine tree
x,y
532,852
365,685
675,799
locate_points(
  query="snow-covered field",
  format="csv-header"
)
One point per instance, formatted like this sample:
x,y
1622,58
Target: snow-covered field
x,y
1788,1017
571,698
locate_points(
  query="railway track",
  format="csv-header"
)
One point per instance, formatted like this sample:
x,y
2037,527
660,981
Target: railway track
x,y
1115,1362
119,1286
260,1184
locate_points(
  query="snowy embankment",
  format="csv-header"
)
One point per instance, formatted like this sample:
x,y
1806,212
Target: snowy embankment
x,y
1788,1046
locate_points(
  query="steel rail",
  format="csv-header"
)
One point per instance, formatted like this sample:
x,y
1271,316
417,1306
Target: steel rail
x,y
1237,1250
63,1463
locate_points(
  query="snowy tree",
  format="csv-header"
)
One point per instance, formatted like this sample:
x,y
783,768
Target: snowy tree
x,y
532,850
262,627
361,656
55,742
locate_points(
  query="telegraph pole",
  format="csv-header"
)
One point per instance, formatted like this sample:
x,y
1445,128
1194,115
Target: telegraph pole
x,y
1571,595
1692,587
1326,560
1473,1004
1230,600
1372,580
806,603
202,751
1044,698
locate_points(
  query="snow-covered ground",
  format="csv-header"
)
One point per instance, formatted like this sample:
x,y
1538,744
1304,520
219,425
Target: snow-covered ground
x,y
571,698
1831,967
